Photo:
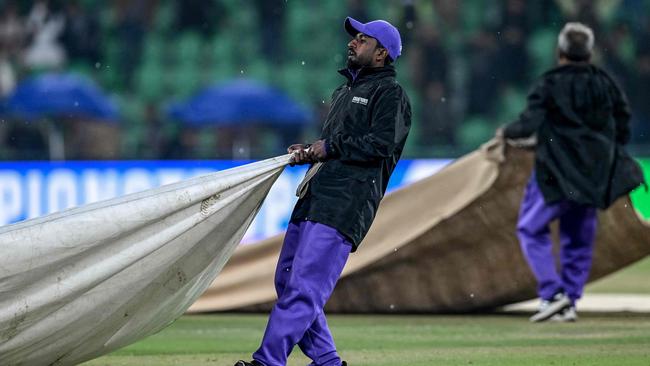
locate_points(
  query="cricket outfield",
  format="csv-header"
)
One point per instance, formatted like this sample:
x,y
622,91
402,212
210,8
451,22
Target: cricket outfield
x,y
499,340
496,339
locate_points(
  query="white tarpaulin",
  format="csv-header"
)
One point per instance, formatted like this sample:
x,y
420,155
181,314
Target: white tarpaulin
x,y
83,282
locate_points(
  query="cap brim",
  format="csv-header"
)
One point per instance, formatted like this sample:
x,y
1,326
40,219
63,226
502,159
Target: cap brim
x,y
353,26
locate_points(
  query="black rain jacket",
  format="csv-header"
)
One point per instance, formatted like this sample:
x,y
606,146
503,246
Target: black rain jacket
x,y
581,119
365,130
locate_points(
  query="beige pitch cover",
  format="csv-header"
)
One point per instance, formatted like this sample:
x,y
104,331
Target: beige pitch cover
x,y
444,244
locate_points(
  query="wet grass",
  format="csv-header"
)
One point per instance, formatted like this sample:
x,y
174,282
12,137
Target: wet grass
x,y
630,280
502,340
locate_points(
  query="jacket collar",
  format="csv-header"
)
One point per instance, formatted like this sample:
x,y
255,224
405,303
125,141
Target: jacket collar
x,y
572,67
369,73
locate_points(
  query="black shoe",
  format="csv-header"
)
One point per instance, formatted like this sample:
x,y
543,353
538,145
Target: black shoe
x,y
344,363
244,363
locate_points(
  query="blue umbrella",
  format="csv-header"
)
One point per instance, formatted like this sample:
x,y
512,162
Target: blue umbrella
x,y
240,102
59,95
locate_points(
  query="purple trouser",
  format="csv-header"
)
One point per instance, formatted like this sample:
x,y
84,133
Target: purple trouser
x,y
311,260
577,233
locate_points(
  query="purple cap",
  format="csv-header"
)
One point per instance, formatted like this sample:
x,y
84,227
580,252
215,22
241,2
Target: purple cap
x,y
381,30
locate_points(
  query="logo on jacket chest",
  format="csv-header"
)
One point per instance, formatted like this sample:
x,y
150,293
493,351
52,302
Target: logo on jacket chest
x,y
360,100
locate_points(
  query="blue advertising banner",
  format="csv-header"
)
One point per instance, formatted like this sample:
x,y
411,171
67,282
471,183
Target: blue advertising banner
x,y
33,189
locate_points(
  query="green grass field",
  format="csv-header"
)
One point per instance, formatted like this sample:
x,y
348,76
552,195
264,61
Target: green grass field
x,y
497,340
631,280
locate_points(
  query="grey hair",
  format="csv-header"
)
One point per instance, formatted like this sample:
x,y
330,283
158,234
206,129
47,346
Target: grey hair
x,y
566,40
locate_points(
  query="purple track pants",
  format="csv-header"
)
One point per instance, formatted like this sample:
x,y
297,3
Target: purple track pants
x,y
577,233
311,260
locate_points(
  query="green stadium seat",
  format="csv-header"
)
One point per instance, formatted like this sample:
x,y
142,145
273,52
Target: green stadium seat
x,y
301,21
268,141
163,17
474,132
82,67
110,73
221,57
333,10
183,80
412,141
153,49
259,70
149,82
511,104
133,129
188,48
541,49
294,82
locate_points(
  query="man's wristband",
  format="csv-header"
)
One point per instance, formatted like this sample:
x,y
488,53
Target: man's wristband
x,y
328,148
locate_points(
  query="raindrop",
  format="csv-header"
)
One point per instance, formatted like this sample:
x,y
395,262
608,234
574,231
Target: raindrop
x,y
323,101
76,103
241,150
303,63
392,306
241,71
443,99
409,25
471,295
98,65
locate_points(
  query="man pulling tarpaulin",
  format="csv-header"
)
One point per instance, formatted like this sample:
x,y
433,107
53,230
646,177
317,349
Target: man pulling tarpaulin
x,y
83,282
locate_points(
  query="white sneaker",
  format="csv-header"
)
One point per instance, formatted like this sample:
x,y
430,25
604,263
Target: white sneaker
x,y
549,308
567,315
